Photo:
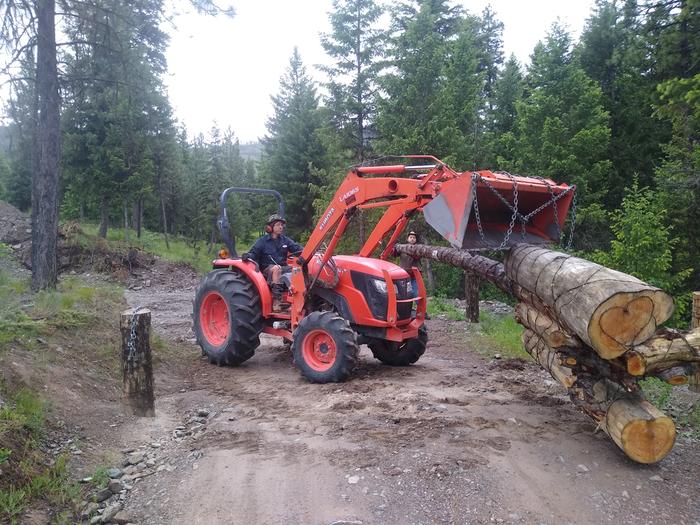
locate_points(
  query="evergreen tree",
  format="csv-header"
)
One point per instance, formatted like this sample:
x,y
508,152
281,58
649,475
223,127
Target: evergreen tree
x,y
356,45
292,147
416,114
562,129
612,52
508,92
678,176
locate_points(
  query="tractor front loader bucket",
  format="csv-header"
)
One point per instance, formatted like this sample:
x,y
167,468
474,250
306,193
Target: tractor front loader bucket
x,y
488,211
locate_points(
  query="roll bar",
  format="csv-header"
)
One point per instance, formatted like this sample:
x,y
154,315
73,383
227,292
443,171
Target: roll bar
x,y
223,222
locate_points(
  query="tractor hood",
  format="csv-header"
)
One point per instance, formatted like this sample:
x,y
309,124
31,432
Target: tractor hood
x,y
373,267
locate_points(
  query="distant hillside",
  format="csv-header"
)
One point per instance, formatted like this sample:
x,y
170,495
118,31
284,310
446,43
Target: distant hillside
x,y
251,150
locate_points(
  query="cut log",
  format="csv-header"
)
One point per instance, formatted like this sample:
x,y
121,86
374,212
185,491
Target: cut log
x,y
676,375
668,348
137,367
553,334
547,358
640,429
609,310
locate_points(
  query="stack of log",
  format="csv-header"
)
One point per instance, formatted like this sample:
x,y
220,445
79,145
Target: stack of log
x,y
597,332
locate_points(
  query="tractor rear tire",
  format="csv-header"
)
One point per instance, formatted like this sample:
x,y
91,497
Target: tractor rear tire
x,y
325,348
400,354
227,317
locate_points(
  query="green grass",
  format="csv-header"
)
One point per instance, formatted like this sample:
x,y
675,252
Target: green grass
x,y
24,316
504,333
666,398
495,334
28,475
180,250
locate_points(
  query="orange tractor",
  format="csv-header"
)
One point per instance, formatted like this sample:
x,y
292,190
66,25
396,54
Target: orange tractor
x,y
339,302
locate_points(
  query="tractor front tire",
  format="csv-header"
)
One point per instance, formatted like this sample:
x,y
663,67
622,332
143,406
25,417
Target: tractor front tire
x,y
325,348
400,354
227,317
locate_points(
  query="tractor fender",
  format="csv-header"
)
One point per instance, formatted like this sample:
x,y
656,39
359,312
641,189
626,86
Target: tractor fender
x,y
337,300
251,271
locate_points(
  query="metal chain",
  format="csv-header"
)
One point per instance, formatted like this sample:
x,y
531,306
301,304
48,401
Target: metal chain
x,y
131,343
573,219
475,178
523,219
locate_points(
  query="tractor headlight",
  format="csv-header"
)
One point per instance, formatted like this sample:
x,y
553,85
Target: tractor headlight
x,y
380,286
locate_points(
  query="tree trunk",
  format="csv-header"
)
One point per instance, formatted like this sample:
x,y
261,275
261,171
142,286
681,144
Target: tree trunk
x,y
165,222
104,217
45,181
126,220
609,310
429,276
471,295
695,316
137,216
667,349
137,367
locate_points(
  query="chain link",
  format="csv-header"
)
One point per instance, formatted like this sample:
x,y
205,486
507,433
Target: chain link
x,y
131,343
573,220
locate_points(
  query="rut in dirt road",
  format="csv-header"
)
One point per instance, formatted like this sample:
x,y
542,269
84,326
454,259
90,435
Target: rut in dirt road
x,y
452,439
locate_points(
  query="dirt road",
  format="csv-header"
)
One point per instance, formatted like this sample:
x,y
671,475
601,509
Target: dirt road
x,y
452,439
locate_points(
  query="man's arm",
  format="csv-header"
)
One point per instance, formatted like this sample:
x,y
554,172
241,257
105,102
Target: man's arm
x,y
293,247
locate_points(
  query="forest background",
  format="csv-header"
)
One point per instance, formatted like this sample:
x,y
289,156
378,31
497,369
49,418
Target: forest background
x,y
617,113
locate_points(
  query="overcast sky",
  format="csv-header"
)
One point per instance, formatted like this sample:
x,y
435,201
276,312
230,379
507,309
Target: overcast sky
x,y
224,70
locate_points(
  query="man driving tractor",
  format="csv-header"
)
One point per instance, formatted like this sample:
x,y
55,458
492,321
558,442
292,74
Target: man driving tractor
x,y
270,252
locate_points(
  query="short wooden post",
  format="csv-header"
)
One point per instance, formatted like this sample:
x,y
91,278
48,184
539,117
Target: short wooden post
x,y
137,368
695,319
471,294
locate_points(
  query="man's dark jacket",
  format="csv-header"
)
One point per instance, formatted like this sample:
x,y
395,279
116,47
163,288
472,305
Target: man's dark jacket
x,y
268,251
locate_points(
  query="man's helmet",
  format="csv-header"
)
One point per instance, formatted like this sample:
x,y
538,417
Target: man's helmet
x,y
275,217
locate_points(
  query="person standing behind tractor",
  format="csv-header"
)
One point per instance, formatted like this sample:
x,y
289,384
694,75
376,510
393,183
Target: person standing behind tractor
x,y
408,261
270,252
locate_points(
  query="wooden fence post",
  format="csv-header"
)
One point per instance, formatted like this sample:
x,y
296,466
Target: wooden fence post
x,y
695,319
471,294
137,368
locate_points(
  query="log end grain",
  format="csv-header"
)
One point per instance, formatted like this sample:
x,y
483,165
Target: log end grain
x,y
627,319
641,430
636,365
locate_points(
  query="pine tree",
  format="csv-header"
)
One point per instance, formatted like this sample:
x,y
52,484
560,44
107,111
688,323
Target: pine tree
x,y
356,45
612,52
562,129
416,114
292,147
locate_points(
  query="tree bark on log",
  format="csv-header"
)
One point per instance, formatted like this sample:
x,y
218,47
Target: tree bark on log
x,y
487,269
667,349
609,310
553,334
137,367
547,358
